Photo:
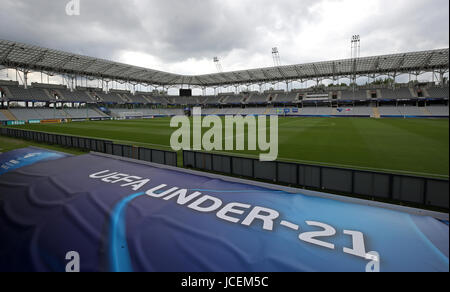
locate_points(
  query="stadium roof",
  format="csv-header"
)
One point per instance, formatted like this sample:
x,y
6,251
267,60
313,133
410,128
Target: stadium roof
x,y
34,58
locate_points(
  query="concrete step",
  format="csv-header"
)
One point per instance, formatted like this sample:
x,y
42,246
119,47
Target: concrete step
x,y
8,115
376,113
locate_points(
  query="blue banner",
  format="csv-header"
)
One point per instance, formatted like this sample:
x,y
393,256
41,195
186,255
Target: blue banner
x,y
123,216
22,157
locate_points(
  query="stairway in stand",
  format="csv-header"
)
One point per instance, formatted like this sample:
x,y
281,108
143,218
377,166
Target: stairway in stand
x,y
426,111
8,115
376,113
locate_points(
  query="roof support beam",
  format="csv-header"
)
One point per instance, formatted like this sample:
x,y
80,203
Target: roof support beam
x,y
299,73
121,70
426,62
316,71
268,78
171,81
251,75
399,63
376,64
86,66
226,78
105,69
238,78
136,73
8,52
198,81
65,61
26,57
217,81
39,58
282,73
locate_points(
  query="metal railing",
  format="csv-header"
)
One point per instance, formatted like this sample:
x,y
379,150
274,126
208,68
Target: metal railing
x,y
402,188
97,145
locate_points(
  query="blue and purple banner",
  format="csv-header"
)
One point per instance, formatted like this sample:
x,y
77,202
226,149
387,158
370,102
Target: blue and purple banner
x,y
124,216
22,157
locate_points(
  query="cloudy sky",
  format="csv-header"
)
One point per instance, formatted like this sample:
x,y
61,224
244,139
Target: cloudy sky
x,y
183,36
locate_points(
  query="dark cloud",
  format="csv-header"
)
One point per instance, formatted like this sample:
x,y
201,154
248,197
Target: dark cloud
x,y
171,29
99,30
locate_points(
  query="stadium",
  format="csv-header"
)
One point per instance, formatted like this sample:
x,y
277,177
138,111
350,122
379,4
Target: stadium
x,y
87,165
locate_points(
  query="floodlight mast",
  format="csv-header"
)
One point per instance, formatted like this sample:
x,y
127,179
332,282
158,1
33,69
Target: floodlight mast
x,y
355,55
356,46
218,65
276,57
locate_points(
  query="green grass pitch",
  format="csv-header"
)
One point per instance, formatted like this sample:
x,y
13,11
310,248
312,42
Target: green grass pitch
x,y
409,146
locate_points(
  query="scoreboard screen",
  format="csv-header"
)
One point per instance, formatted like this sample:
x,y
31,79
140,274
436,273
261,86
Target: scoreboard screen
x,y
185,92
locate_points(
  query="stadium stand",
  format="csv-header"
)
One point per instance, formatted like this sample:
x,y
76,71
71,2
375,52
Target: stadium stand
x,y
438,92
136,98
315,95
171,112
121,95
31,94
202,99
223,99
236,111
360,111
257,98
109,97
145,96
414,111
2,117
159,100
124,96
411,111
75,96
25,114
399,93
144,112
438,110
47,113
232,99
83,113
246,97
211,100
354,95
183,100
286,97
389,111
255,111
211,111
124,113
192,101
233,111
316,111
312,102
280,112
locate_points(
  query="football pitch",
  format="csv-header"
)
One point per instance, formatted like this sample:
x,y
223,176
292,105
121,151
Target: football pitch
x,y
408,146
